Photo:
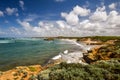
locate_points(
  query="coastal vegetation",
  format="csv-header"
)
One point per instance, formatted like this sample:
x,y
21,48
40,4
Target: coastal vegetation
x,y
100,38
102,63
101,70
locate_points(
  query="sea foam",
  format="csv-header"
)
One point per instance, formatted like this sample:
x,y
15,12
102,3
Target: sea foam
x,y
6,41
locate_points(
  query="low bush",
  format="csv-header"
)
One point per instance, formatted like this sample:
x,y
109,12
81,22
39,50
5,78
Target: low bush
x,y
101,70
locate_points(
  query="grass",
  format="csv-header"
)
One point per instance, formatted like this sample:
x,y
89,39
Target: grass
x,y
32,69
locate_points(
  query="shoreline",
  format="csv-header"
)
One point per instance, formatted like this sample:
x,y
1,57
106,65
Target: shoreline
x,y
65,56
72,57
72,41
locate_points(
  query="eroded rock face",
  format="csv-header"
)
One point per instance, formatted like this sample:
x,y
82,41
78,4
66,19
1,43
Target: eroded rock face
x,y
102,53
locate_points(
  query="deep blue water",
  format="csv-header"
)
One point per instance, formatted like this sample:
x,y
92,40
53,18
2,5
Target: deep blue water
x,y
29,51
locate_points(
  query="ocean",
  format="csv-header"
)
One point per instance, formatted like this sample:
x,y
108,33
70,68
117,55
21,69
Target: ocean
x,y
30,51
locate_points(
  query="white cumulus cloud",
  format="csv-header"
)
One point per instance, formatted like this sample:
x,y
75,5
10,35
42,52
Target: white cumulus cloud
x,y
112,6
81,11
71,18
99,15
78,22
11,11
26,25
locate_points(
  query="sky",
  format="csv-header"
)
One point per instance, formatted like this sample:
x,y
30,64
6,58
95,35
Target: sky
x,y
48,18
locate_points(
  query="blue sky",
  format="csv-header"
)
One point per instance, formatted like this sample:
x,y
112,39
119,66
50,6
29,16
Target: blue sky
x,y
20,18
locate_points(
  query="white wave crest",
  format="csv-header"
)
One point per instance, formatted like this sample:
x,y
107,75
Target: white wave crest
x,y
6,41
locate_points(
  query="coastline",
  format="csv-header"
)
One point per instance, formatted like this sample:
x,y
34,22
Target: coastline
x,y
72,41
73,57
57,59
65,56
28,51
26,70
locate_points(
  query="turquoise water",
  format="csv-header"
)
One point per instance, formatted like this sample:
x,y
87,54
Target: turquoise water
x,y
29,51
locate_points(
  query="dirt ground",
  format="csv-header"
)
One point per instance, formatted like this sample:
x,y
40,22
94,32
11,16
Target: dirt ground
x,y
21,73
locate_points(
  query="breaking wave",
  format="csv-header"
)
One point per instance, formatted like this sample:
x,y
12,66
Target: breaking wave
x,y
6,41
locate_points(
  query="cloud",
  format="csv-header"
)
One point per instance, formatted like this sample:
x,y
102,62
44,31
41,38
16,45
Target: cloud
x,y
112,6
59,0
87,4
72,18
15,30
21,3
2,32
11,11
81,11
31,17
6,21
1,13
114,18
61,24
78,22
25,25
17,14
99,15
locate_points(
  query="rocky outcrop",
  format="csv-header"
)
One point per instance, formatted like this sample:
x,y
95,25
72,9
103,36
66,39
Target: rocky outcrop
x,y
101,53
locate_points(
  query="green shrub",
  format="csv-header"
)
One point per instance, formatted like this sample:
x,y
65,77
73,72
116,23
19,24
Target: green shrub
x,y
32,69
101,70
